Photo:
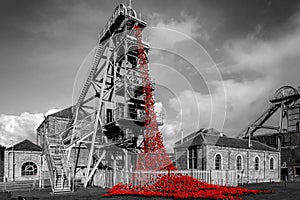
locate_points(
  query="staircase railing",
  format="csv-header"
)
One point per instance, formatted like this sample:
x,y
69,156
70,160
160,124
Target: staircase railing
x,y
65,163
59,151
50,163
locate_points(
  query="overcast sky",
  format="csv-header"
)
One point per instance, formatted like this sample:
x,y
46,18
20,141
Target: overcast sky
x,y
255,44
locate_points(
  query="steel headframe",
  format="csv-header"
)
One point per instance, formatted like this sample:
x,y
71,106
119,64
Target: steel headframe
x,y
284,98
112,72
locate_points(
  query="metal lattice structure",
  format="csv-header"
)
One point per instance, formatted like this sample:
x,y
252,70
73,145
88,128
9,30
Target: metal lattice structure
x,y
109,114
283,100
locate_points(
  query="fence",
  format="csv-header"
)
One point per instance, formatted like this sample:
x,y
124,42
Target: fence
x,y
18,185
24,185
108,178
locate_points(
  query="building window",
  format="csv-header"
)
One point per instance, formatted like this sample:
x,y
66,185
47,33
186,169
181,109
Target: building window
x,y
272,140
109,115
256,163
218,162
192,158
120,110
239,162
271,163
29,168
297,171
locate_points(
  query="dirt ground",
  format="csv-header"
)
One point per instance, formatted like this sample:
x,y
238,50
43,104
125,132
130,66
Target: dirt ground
x,y
290,191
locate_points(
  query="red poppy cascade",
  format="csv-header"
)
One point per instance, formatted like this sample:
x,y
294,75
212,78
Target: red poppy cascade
x,y
154,155
154,158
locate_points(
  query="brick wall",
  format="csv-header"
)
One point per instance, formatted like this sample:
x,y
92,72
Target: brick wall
x,y
229,159
295,139
2,150
20,158
181,158
206,160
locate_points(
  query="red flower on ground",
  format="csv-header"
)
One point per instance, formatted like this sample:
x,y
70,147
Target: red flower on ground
x,y
179,186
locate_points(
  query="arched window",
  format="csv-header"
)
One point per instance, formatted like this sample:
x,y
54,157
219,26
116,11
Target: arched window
x,y
271,163
239,162
218,162
29,168
256,163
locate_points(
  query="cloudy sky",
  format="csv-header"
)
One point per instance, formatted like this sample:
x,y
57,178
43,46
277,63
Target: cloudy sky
x,y
215,62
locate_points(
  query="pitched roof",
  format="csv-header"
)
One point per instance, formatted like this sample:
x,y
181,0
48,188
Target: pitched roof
x,y
25,145
210,131
224,141
65,113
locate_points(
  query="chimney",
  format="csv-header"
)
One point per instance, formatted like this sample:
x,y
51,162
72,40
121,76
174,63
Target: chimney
x,y
129,4
249,141
181,138
278,144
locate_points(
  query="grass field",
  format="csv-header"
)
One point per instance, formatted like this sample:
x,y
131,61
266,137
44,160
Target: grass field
x,y
289,192
281,192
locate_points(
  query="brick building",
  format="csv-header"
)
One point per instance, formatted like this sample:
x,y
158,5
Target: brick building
x,y
52,126
211,150
2,150
57,123
23,161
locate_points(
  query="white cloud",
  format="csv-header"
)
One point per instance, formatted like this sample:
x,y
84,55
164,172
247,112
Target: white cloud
x,y
178,61
170,33
183,24
171,133
19,127
274,59
274,63
257,67
158,106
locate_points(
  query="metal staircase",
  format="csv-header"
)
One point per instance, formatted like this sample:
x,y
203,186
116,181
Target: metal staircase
x,y
59,169
98,54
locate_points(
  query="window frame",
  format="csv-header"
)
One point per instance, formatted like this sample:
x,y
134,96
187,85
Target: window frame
x,y
256,163
29,172
271,167
220,162
241,162
192,158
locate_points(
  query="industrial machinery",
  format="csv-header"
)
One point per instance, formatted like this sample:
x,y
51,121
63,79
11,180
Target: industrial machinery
x,y
109,115
285,101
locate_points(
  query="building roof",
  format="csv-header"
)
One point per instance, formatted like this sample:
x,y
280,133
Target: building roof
x,y
65,113
223,141
25,145
210,131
